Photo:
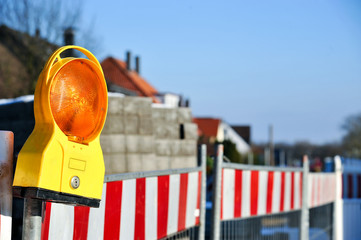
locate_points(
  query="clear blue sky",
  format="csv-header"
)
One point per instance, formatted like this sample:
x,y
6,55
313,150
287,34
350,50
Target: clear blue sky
x,y
293,64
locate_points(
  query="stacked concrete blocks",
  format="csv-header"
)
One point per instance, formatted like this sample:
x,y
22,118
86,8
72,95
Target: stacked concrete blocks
x,y
176,146
112,138
141,136
127,135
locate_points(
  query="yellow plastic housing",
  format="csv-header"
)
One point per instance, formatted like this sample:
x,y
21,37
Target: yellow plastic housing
x,y
70,106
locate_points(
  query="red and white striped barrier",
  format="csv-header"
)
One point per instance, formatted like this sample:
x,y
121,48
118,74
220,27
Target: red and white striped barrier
x,y
321,188
253,193
142,208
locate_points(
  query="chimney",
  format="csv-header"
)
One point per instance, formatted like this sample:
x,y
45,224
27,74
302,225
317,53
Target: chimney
x,y
187,104
37,33
128,59
69,40
180,101
137,67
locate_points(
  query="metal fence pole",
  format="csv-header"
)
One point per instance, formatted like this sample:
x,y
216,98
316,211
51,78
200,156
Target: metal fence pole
x,y
6,176
216,198
304,235
202,217
338,204
32,219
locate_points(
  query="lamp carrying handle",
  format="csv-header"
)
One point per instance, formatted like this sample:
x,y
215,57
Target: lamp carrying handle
x,y
56,56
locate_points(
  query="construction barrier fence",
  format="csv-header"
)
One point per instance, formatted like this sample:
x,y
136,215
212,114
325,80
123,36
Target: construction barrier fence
x,y
145,205
258,202
248,202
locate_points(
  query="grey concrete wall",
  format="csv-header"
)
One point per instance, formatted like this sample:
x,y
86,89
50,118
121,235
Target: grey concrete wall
x,y
141,136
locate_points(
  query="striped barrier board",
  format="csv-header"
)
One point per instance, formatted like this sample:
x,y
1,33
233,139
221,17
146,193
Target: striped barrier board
x,y
5,227
248,193
141,208
243,191
321,189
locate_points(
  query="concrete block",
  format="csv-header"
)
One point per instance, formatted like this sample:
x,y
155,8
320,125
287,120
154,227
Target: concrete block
x,y
146,144
130,105
172,130
177,162
141,106
134,162
145,125
158,115
167,115
115,105
164,130
189,148
163,162
114,124
149,162
171,115
159,131
162,147
131,124
132,143
190,131
145,106
190,161
175,146
184,115
115,163
112,143
183,162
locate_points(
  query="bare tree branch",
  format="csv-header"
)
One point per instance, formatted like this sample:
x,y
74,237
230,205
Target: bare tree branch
x,y
51,18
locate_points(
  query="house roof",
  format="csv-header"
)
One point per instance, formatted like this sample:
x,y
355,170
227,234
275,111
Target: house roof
x,y
207,126
115,72
244,132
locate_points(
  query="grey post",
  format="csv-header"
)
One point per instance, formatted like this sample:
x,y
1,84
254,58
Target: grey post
x,y
304,211
32,219
202,217
6,176
216,198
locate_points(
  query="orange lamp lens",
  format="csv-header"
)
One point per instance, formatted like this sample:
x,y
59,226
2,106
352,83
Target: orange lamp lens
x,y
75,102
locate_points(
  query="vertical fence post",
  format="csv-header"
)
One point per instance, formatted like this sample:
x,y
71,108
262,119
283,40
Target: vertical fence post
x,y
6,176
338,204
32,219
304,235
216,198
202,217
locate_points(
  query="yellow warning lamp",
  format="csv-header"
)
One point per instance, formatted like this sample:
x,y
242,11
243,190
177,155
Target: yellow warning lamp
x,y
62,160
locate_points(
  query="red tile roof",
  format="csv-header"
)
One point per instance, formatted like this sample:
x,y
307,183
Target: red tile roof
x,y
207,126
115,71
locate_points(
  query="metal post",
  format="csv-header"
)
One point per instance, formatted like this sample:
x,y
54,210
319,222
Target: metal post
x,y
250,158
267,156
32,219
6,176
304,211
338,204
202,217
271,146
216,198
